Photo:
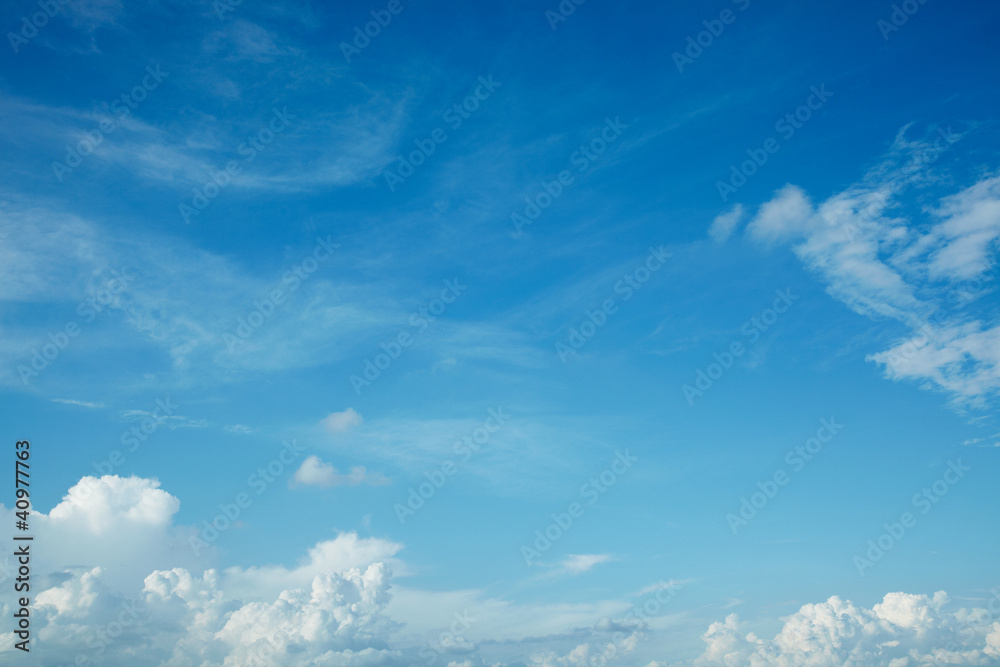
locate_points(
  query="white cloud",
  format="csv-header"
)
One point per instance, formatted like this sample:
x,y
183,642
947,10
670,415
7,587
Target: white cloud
x,y
316,472
725,224
788,215
327,610
942,355
901,630
82,404
111,501
580,563
178,299
339,607
338,422
346,551
588,654
883,265
123,525
970,227
337,619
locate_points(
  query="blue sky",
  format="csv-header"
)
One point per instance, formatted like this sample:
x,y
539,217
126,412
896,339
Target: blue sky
x,y
688,237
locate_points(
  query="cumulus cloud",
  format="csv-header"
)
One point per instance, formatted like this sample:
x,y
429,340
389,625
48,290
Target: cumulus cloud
x,y
338,422
117,585
345,552
589,653
102,504
924,274
316,472
902,630
179,619
334,608
337,620
121,524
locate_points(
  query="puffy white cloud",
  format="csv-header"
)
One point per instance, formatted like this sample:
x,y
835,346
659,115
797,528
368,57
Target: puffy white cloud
x,y
337,619
316,472
335,608
183,620
103,504
329,610
122,524
901,631
589,654
345,552
338,422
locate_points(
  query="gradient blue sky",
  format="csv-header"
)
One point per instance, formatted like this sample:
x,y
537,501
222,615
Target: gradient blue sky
x,y
924,252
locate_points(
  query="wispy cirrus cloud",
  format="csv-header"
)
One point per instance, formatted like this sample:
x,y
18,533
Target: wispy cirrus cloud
x,y
924,273
82,404
580,563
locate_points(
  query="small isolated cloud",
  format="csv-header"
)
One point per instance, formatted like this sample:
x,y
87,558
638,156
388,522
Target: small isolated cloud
x,y
239,428
338,422
580,563
725,224
316,472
